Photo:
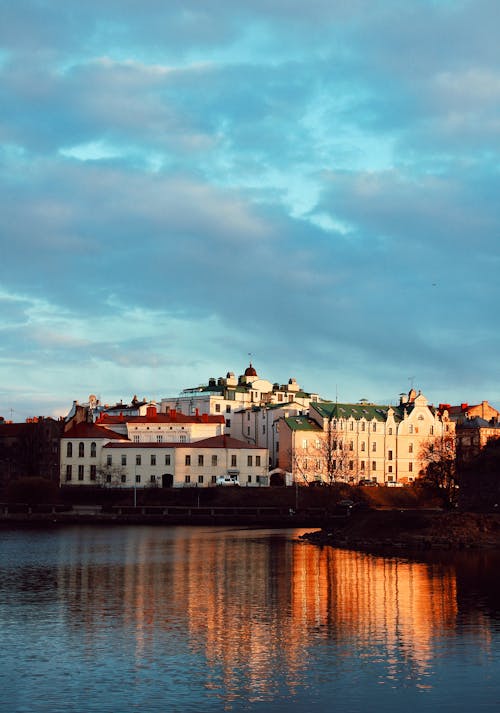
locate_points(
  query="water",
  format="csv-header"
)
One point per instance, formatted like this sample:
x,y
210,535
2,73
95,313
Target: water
x,y
219,619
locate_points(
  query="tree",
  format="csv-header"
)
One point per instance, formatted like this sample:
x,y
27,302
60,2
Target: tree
x,y
109,476
336,453
438,456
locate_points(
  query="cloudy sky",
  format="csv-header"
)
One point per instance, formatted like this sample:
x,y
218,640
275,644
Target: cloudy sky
x,y
183,183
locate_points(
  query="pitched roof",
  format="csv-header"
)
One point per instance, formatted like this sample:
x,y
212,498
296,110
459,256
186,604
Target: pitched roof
x,y
226,442
91,430
162,418
301,423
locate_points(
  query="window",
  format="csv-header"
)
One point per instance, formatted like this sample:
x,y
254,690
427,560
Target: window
x,y
228,409
108,478
390,430
137,478
153,459
187,479
431,430
351,465
200,479
248,430
124,460
214,479
362,465
136,439
389,478
257,460
200,460
374,427
183,438
187,460
389,455
214,461
93,449
351,425
80,472
351,445
304,443
410,448
217,408
233,461
249,460
363,425
228,422
374,446
138,460
93,472
81,449
124,478
410,467
152,479
362,445
263,428
374,465
109,460
68,472
390,469
69,450
159,439
410,428
249,479
167,460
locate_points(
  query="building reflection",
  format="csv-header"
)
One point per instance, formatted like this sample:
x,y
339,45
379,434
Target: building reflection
x,y
250,606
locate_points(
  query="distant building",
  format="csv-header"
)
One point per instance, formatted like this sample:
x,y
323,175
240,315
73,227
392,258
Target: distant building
x,y
473,434
30,449
364,441
166,450
465,411
228,396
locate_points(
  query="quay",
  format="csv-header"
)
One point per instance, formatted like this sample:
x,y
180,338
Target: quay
x,y
253,516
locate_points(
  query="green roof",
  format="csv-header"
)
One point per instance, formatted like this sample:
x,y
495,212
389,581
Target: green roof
x,y
301,423
370,412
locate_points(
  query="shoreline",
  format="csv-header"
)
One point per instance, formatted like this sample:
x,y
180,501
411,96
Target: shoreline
x,y
398,531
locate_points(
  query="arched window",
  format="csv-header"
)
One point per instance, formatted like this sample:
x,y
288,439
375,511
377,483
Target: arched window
x,y
81,449
93,449
69,450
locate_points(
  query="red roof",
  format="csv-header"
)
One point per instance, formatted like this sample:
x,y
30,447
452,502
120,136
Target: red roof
x,y
171,417
213,442
91,430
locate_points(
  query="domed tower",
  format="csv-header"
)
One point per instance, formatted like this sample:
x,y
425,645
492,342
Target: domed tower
x,y
249,376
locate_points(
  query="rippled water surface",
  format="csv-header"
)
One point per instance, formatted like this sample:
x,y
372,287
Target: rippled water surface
x,y
210,619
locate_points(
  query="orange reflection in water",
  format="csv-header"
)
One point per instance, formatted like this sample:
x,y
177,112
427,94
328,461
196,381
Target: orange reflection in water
x,y
255,603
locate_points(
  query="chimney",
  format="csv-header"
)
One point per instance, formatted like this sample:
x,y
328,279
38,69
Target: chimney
x,y
151,412
464,407
173,414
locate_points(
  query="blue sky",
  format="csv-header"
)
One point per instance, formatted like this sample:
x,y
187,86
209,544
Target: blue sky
x,y
184,183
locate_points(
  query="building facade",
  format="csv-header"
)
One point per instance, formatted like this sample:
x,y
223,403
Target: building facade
x,y
93,454
362,442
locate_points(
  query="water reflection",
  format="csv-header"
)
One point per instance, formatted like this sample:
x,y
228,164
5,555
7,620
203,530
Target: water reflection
x,y
225,618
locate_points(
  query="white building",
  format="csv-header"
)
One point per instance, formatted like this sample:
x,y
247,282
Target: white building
x,y
94,454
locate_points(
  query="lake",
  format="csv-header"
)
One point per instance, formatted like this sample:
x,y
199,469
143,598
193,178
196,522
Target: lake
x,y
224,619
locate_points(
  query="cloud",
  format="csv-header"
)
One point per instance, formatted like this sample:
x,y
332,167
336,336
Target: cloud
x,y
181,185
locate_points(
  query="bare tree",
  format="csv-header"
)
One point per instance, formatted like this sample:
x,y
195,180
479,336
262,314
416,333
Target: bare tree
x,y
109,476
438,455
337,453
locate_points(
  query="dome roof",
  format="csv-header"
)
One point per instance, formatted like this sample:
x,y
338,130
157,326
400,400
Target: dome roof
x,y
250,371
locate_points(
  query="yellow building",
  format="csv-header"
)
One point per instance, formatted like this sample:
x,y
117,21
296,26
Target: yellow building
x,y
362,442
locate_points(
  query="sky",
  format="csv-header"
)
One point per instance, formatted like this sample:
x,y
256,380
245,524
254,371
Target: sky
x,y
183,184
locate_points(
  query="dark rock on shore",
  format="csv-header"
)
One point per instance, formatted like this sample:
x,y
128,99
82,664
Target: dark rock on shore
x,y
396,530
